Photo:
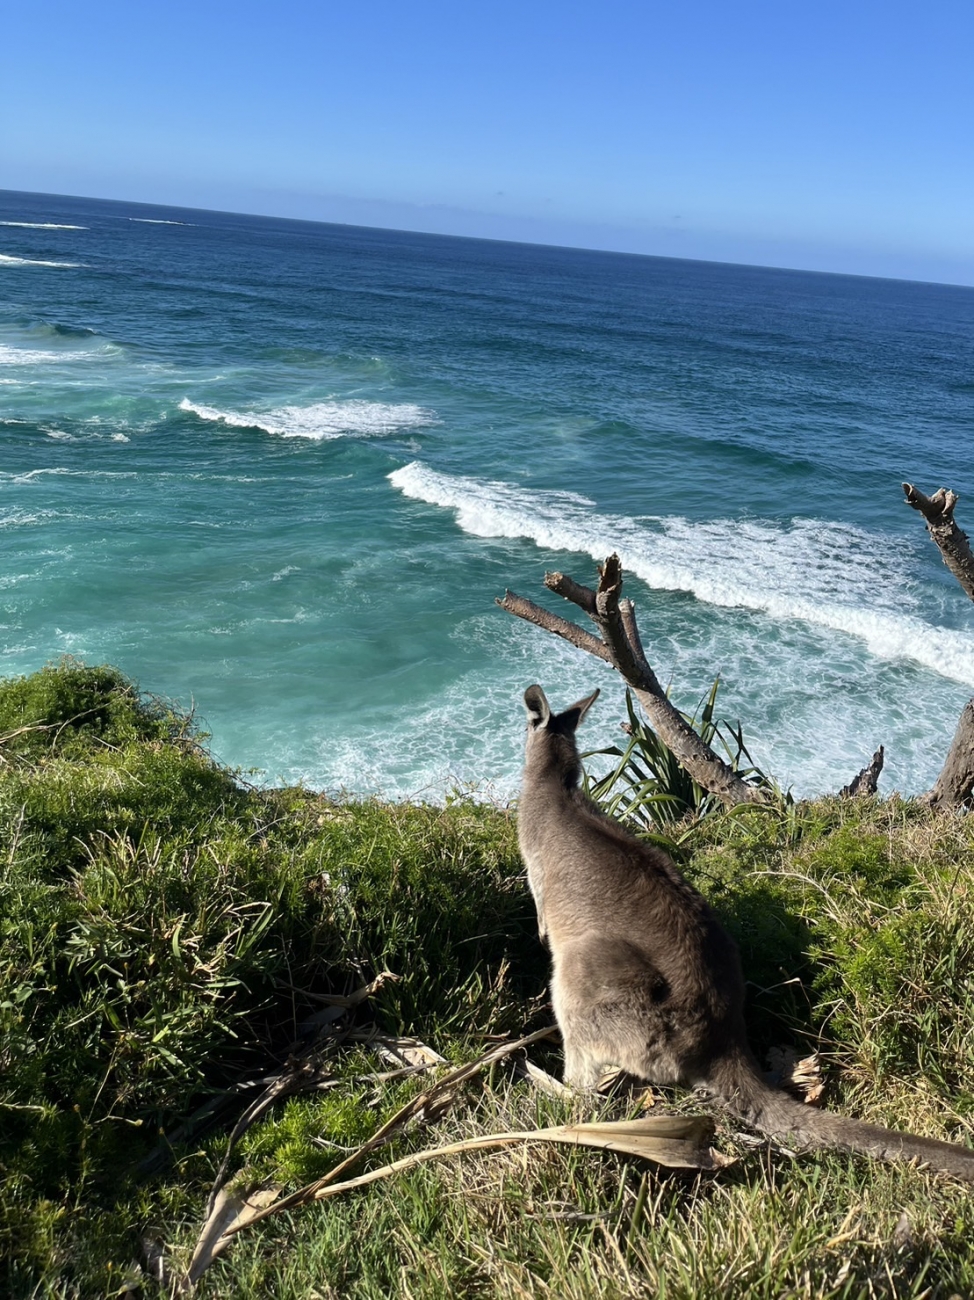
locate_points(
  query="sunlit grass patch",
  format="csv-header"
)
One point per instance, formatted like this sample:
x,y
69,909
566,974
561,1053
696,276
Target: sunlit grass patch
x,y
168,933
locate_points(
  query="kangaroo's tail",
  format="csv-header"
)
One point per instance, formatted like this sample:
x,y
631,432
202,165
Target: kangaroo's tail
x,y
736,1082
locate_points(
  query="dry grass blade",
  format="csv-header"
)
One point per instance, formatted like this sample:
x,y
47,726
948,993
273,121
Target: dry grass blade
x,y
347,1000
228,1213
335,1005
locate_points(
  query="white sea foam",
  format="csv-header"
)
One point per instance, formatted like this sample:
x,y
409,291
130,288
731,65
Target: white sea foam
x,y
826,574
62,471
321,420
466,734
158,221
7,259
42,225
26,518
10,356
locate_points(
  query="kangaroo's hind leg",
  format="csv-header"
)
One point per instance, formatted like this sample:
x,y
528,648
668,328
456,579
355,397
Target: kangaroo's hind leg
x,y
582,1069
611,1006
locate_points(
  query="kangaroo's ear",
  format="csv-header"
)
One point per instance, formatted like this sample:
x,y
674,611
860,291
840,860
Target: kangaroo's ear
x,y
573,716
539,711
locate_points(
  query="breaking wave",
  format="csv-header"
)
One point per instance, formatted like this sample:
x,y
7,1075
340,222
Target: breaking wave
x,y
819,572
322,420
7,259
42,225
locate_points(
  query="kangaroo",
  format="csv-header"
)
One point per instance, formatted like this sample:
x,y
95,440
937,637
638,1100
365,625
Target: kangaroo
x,y
644,976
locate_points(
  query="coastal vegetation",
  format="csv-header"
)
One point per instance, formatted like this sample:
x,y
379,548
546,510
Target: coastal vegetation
x,y
174,939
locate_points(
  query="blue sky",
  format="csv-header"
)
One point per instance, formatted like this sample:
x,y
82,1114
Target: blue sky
x,y
834,136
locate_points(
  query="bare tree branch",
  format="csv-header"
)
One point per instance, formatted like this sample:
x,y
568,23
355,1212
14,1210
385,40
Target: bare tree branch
x,y
583,597
866,781
543,618
627,610
955,784
621,647
938,511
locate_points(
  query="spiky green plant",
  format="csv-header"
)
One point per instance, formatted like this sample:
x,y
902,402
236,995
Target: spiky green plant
x,y
648,788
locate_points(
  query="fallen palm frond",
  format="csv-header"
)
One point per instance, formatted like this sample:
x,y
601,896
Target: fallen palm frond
x,y
675,1142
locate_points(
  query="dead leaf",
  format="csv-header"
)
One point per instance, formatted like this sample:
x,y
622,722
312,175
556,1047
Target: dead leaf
x,y
405,1051
346,1000
800,1076
544,1081
231,1211
903,1238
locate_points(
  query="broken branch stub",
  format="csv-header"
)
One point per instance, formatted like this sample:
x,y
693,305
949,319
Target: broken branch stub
x,y
619,644
867,780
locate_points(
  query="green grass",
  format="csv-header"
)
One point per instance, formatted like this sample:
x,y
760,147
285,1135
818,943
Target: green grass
x,y
164,928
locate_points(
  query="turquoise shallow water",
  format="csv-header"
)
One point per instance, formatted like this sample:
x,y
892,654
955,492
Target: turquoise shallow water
x,y
283,469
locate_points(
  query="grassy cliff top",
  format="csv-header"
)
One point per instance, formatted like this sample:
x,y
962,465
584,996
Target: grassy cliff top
x,y
167,937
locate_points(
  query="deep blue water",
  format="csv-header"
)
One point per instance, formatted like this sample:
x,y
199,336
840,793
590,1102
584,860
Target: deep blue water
x,y
282,469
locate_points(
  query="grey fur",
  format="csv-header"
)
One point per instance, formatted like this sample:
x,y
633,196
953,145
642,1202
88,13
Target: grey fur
x,y
644,976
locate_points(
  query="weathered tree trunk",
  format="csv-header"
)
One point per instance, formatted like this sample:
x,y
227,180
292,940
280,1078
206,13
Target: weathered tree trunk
x,y
955,783
938,511
619,645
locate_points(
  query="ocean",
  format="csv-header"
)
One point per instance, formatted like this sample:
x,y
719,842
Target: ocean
x,y
278,471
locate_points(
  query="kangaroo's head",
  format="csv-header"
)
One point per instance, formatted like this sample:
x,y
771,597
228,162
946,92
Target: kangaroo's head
x,y
551,749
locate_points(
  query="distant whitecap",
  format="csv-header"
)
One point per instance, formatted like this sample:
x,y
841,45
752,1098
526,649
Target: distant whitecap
x,y
321,420
42,225
7,259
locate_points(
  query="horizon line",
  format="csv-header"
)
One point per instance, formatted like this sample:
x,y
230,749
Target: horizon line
x,y
489,239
